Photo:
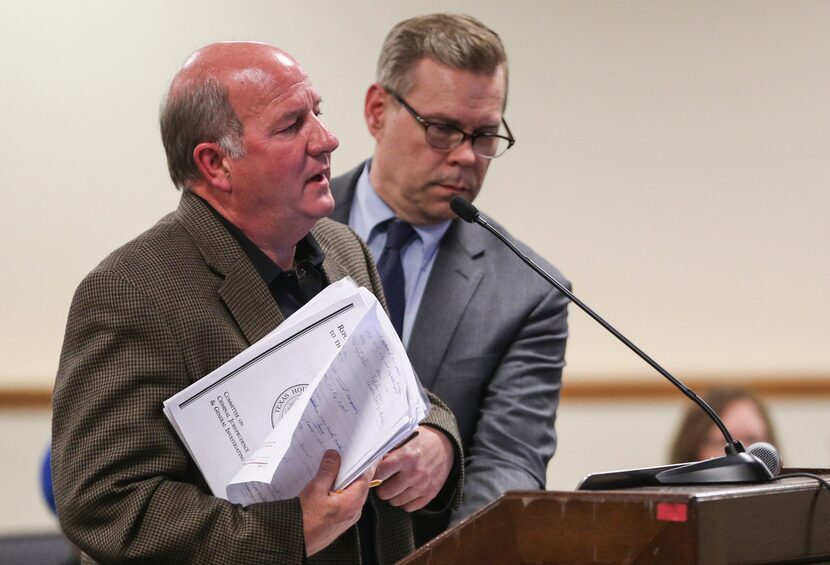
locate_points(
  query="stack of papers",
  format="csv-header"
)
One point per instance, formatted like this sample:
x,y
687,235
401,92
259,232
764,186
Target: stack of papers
x,y
334,375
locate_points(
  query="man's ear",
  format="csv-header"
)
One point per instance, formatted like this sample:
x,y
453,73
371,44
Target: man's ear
x,y
213,164
375,108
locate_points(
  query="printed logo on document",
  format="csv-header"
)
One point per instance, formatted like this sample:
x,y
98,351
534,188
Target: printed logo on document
x,y
285,401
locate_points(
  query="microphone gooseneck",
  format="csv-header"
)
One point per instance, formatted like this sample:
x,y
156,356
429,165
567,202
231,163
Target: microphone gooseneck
x,y
736,466
469,213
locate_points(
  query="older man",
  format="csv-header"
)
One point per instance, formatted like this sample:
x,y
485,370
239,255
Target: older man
x,y
245,248
486,334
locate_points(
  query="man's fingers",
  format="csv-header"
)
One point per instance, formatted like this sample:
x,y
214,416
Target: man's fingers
x,y
372,471
390,488
358,488
413,473
416,504
328,514
327,472
388,466
404,498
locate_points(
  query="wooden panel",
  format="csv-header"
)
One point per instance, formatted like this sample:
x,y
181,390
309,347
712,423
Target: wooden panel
x,y
30,399
605,529
577,388
492,539
553,528
780,521
786,522
640,387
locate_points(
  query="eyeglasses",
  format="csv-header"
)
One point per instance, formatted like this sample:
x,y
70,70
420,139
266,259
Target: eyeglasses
x,y
446,137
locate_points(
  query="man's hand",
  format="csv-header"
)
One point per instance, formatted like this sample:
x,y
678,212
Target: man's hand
x,y
327,514
415,472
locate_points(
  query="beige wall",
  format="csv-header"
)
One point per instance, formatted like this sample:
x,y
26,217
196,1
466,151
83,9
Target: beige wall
x,y
672,160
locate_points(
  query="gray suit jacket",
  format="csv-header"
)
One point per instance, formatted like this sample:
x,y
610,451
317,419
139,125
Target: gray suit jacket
x,y
489,340
155,316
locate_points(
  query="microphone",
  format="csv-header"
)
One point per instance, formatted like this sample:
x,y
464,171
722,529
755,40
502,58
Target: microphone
x,y
768,455
464,209
736,466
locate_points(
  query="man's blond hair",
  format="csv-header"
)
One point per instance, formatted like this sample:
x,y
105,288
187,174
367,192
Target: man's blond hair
x,y
456,40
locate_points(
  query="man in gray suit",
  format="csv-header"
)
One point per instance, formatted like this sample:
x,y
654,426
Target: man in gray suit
x,y
244,250
485,333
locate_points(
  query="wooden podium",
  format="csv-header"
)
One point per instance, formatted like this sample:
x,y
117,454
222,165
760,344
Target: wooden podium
x,y
782,521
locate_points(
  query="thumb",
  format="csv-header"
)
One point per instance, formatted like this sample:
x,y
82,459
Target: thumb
x,y
327,472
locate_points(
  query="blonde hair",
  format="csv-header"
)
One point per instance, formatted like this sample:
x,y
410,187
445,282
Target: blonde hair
x,y
456,40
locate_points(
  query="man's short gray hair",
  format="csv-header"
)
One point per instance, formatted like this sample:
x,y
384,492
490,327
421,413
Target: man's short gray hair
x,y
193,113
456,40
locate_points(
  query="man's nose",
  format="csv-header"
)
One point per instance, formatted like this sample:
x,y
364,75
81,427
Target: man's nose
x,y
322,140
463,153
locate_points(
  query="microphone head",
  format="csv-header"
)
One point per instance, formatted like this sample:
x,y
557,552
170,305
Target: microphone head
x,y
768,455
464,209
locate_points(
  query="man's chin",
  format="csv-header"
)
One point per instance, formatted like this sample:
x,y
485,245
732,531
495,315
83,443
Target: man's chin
x,y
323,206
438,214
442,211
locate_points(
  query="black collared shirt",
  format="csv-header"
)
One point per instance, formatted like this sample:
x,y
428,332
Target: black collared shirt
x,y
290,289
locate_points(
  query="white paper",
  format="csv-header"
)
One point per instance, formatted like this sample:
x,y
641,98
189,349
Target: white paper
x,y
362,418
263,403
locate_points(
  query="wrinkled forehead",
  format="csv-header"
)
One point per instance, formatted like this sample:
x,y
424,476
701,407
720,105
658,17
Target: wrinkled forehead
x,y
264,81
254,89
269,80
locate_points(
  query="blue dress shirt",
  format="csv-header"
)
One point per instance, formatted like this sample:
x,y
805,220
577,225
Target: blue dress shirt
x,y
368,213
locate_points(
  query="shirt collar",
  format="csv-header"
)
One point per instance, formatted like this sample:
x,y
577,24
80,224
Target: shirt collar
x,y
307,251
370,213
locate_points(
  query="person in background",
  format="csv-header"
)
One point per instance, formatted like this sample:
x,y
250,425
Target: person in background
x,y
743,413
483,331
248,245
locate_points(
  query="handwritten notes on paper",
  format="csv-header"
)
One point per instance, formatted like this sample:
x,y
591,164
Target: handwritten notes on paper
x,y
333,376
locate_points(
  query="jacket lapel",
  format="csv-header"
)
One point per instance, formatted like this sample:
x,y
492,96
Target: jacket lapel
x,y
454,278
333,270
242,290
451,285
250,302
343,189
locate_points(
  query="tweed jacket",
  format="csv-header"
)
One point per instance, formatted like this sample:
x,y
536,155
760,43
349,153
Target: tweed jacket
x,y
489,340
152,318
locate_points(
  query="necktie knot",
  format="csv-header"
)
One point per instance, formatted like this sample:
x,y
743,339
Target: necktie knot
x,y
397,235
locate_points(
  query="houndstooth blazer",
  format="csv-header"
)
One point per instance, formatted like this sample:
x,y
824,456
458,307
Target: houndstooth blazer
x,y
152,318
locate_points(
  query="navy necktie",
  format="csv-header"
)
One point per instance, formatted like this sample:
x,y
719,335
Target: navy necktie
x,y
391,271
